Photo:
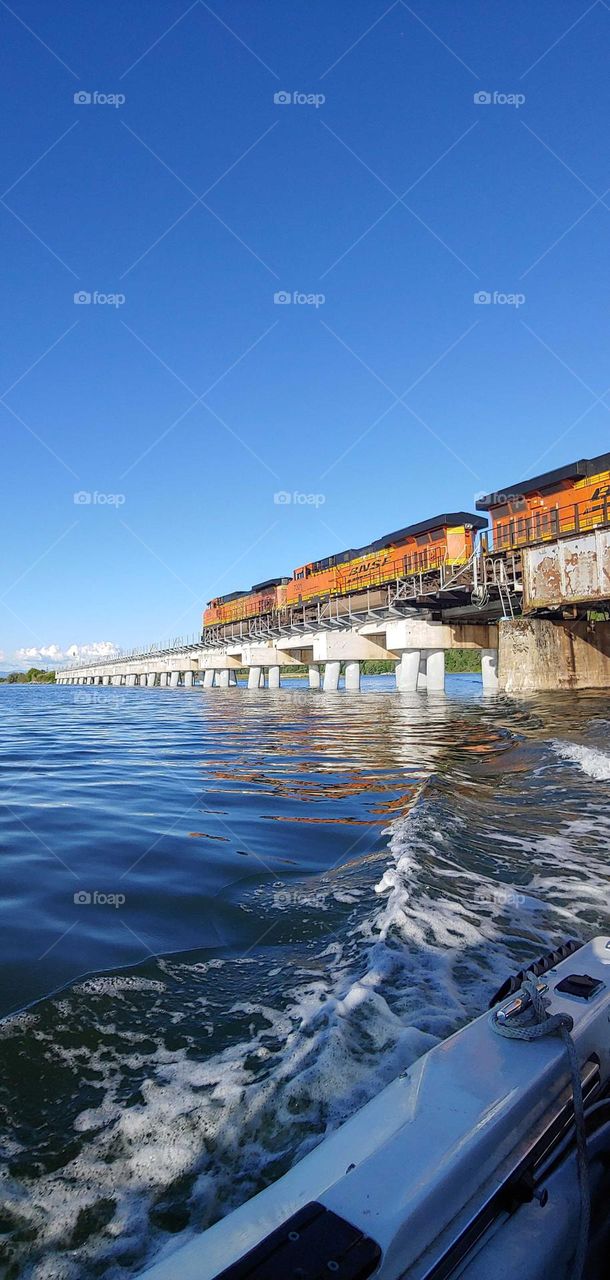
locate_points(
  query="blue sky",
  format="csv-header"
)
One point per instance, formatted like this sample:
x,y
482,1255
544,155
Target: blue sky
x,y
181,397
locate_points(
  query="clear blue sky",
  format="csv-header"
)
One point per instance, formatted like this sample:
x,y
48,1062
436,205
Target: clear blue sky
x,y
198,398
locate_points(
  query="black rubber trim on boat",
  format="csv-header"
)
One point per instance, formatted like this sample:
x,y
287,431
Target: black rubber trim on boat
x,y
314,1244
541,966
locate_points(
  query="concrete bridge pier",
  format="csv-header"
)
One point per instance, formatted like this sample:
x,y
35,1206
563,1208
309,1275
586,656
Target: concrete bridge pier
x,y
163,679
553,653
130,680
273,678
314,676
352,676
188,679
332,671
422,675
407,670
174,679
116,680
489,670
223,678
254,678
106,679
150,679
208,678
435,670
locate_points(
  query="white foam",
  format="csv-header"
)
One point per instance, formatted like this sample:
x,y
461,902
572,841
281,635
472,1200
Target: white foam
x,y
593,762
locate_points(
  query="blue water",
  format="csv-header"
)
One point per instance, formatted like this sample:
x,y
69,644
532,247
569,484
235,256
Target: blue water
x,y
254,908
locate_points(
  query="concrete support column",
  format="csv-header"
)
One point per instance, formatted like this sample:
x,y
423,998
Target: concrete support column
x,y
332,671
208,678
163,679
188,679
352,675
254,677
314,676
131,680
422,676
407,671
489,670
116,680
174,679
435,670
106,679
274,677
232,679
223,679
150,679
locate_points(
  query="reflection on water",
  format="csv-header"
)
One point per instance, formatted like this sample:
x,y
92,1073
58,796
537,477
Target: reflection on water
x,y
331,882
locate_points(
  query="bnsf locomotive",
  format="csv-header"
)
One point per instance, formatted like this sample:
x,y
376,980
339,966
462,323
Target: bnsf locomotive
x,y
446,540
571,499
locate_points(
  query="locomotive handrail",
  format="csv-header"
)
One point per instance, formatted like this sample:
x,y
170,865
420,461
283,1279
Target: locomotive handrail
x,y
549,523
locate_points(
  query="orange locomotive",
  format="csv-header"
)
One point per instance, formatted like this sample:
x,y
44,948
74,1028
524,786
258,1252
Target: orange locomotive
x,y
239,606
417,549
571,499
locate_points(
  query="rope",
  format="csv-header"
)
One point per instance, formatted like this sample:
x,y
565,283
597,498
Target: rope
x,y
532,1022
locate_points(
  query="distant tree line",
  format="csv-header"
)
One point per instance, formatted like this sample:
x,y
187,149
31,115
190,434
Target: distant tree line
x,y
466,660
35,675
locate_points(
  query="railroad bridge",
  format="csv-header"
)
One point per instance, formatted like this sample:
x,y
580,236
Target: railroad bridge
x,y
532,593
538,614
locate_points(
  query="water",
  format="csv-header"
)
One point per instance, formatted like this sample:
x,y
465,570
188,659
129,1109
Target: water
x,y
281,901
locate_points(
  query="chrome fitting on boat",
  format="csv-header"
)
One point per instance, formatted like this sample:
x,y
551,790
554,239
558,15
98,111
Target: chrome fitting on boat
x,y
518,1004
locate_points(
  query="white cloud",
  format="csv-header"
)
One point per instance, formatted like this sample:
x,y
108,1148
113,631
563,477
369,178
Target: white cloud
x,y
99,649
74,652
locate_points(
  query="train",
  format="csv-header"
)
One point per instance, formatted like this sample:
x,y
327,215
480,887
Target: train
x,y
571,499
444,540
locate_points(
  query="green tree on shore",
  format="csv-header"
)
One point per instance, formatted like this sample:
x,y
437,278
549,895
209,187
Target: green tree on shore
x,y
35,675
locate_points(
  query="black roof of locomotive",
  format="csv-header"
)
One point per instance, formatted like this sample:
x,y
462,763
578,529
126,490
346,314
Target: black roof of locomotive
x,y
446,521
231,595
269,582
572,471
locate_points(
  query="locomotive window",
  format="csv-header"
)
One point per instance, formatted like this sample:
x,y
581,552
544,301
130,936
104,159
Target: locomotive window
x,y
518,504
437,535
422,539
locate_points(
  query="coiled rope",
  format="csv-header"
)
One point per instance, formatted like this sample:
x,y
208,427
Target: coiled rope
x,y
531,1023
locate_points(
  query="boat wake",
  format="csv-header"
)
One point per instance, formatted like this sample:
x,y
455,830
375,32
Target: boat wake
x,y
593,762
141,1106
